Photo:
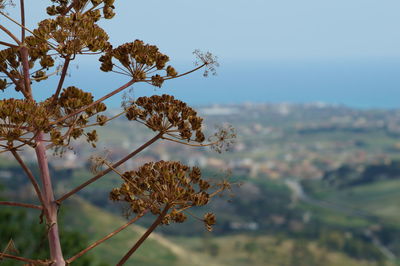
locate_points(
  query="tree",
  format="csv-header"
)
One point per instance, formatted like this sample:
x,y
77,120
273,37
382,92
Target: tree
x,y
165,189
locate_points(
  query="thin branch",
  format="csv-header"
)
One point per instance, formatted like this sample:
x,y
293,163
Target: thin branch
x,y
25,67
189,144
183,209
98,242
66,136
113,169
144,236
68,8
9,256
95,102
62,78
18,204
92,8
28,30
188,72
120,174
16,147
104,172
117,91
8,44
194,216
217,191
9,33
121,73
122,69
22,8
30,176
25,54
181,75
24,142
107,120
16,22
10,76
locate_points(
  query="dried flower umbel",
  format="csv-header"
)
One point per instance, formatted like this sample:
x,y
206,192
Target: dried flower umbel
x,y
61,7
223,138
166,185
167,115
83,34
21,118
18,118
139,61
71,100
210,61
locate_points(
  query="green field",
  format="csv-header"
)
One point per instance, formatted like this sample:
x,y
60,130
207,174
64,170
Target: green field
x,y
233,250
96,223
379,199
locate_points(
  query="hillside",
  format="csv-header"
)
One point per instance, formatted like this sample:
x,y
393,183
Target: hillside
x,y
234,250
95,223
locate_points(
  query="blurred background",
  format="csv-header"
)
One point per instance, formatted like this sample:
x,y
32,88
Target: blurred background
x,y
312,89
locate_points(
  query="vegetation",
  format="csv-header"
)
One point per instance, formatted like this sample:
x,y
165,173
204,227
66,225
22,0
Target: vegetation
x,y
165,189
24,235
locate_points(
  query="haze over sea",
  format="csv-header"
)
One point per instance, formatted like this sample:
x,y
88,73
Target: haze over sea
x,y
357,83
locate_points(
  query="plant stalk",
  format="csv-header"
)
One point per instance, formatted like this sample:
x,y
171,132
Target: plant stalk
x,y
10,256
109,169
98,242
144,236
22,20
51,206
18,204
25,67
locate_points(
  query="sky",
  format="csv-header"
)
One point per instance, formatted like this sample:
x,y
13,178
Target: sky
x,y
336,51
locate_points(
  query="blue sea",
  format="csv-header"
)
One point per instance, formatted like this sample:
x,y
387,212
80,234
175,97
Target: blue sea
x,y
372,83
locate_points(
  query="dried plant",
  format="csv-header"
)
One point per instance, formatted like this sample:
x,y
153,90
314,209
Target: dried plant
x,y
166,189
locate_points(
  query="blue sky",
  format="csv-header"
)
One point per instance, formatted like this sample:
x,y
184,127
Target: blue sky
x,y
256,29
255,36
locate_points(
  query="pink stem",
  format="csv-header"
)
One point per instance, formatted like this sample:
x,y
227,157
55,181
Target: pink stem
x,y
25,67
53,233
144,236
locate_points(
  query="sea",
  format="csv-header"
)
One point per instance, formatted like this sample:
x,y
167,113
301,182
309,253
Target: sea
x,y
363,83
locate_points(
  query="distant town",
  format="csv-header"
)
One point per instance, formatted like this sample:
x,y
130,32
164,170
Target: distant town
x,y
273,140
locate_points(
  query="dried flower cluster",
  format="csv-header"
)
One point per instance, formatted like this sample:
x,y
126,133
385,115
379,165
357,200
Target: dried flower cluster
x,y
9,63
71,100
138,60
74,34
65,36
18,117
167,115
61,6
157,185
223,138
4,3
21,118
209,60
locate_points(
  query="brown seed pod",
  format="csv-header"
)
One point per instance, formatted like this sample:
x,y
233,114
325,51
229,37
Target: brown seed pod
x,y
166,114
18,117
75,34
138,60
156,185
